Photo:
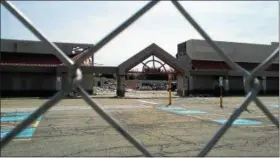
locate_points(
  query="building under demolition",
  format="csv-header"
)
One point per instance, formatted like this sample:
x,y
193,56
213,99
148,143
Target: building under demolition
x,y
206,66
29,68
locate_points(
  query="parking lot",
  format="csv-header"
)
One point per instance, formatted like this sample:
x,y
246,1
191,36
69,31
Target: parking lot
x,y
72,128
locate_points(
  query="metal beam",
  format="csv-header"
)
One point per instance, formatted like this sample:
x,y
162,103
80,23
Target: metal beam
x,y
154,62
145,64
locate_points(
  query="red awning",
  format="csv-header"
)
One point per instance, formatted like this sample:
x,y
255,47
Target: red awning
x,y
28,59
219,65
209,65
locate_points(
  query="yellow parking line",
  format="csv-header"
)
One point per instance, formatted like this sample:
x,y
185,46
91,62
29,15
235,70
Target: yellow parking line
x,y
36,124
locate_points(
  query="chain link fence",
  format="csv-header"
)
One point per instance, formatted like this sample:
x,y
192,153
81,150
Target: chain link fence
x,y
252,84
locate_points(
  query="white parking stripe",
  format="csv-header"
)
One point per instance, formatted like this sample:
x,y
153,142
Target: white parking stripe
x,y
143,101
258,126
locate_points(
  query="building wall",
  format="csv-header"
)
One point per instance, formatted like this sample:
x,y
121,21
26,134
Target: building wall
x,y
87,82
182,55
200,50
238,52
27,84
202,84
23,81
37,84
206,84
236,84
184,59
272,85
38,47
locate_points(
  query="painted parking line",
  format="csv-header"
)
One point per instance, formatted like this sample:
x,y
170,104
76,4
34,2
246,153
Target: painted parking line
x,y
263,116
17,113
36,124
10,119
275,105
22,139
26,133
265,126
16,118
170,108
239,122
189,112
179,110
143,101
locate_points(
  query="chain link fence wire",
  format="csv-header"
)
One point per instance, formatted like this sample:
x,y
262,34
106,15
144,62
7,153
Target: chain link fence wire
x,y
252,84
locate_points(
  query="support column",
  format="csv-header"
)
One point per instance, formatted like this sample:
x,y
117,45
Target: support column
x,y
59,80
120,85
58,84
227,85
87,83
182,85
64,81
186,86
191,84
264,84
179,85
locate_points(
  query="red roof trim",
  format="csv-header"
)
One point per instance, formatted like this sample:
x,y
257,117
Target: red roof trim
x,y
220,65
31,65
44,60
209,65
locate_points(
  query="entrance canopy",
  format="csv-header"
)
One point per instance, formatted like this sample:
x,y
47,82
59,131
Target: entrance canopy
x,y
155,50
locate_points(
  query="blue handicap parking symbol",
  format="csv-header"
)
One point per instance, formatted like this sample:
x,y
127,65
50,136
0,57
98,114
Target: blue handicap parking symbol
x,y
170,108
189,112
17,113
26,133
179,110
16,118
275,105
240,122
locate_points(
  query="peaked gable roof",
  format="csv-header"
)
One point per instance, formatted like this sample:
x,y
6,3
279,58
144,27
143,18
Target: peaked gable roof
x,y
155,50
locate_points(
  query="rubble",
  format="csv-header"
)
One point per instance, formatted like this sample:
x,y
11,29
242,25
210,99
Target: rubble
x,y
105,89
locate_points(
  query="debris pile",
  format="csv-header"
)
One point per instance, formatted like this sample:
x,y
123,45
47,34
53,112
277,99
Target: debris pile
x,y
104,89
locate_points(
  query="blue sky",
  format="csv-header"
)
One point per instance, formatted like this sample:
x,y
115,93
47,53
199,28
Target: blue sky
x,y
89,21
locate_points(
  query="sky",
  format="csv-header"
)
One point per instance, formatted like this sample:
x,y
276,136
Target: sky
x,y
90,21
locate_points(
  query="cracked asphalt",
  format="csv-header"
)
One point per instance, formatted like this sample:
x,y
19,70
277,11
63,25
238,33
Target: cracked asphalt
x,y
73,129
